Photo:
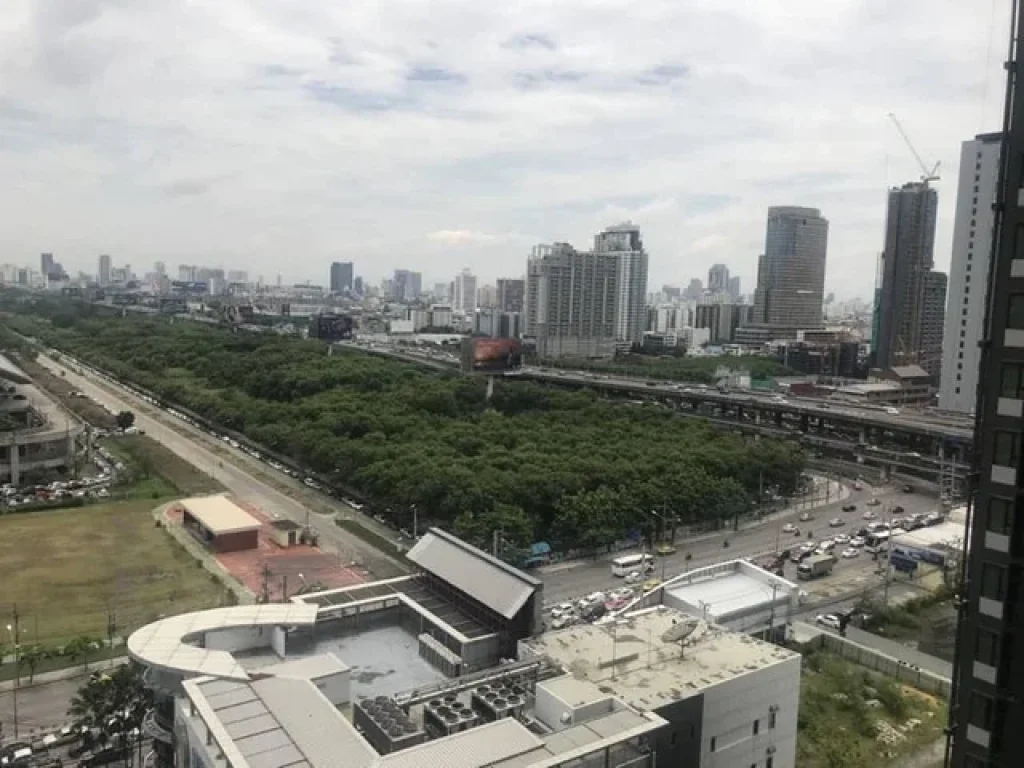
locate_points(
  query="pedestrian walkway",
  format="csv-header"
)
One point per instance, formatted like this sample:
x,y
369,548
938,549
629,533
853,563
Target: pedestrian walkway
x,y
67,673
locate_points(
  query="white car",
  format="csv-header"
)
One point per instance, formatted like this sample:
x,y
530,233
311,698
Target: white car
x,y
851,553
841,538
836,522
829,620
634,577
857,541
788,528
869,515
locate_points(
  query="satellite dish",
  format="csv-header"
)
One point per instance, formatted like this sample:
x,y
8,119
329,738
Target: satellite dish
x,y
679,632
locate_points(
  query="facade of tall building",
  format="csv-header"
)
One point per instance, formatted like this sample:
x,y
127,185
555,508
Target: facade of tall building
x,y
571,299
968,272
46,263
464,292
511,294
104,269
722,320
791,271
933,316
357,285
406,285
907,260
987,700
487,296
718,278
735,288
342,274
626,245
695,290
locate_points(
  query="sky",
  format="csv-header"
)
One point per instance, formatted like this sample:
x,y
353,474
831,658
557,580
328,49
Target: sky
x,y
280,136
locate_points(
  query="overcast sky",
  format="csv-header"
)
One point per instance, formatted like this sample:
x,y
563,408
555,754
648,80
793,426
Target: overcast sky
x,y
278,136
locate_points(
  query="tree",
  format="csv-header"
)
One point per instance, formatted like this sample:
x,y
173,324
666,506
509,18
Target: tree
x,y
125,419
29,659
112,702
79,648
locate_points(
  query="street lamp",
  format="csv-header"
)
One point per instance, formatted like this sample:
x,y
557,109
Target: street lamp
x,y
13,632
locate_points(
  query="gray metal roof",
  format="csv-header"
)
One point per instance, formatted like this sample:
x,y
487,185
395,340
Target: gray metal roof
x,y
480,746
487,579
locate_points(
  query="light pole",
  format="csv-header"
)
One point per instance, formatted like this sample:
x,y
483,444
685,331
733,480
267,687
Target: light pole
x,y
13,631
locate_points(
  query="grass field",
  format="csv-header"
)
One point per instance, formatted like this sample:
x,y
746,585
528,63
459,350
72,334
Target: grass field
x,y
70,568
155,471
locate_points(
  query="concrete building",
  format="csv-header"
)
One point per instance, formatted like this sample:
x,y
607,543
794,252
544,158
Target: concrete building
x,y
571,299
498,324
968,272
103,276
718,279
511,294
728,700
625,244
722,320
487,297
791,271
342,274
406,285
219,523
735,291
441,315
464,292
933,315
906,307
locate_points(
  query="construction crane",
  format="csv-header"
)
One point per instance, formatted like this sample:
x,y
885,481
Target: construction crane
x,y
926,174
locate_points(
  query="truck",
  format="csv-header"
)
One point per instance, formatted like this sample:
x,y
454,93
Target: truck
x,y
815,566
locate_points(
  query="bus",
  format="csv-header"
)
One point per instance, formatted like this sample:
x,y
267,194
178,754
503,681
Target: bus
x,y
877,541
625,565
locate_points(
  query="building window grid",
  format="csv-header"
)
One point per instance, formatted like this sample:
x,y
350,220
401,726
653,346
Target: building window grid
x,y
1000,515
993,581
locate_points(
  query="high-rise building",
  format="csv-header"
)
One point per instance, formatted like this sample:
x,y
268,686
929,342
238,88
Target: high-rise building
x,y
159,267
734,288
695,290
722,319
791,271
341,276
625,244
987,699
46,263
464,292
357,286
511,293
571,299
968,272
442,291
104,269
236,276
718,279
487,296
904,314
406,285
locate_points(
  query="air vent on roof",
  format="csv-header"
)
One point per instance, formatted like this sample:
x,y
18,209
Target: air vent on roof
x,y
385,725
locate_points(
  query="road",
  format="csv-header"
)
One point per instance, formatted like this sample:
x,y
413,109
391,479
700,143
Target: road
x,y
229,467
571,580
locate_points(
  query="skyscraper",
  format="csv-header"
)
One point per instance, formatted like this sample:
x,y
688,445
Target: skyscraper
x,y
718,279
104,269
907,260
406,285
625,244
511,293
972,246
464,292
571,299
987,699
734,288
341,276
791,271
46,263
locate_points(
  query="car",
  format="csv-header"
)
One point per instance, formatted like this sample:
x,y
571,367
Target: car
x,y
788,528
623,593
841,538
932,518
634,577
858,486
858,541
836,522
596,597
829,620
796,531
651,584
908,488
806,517
849,508
851,552
665,549
874,503
898,510
563,622
898,531
869,515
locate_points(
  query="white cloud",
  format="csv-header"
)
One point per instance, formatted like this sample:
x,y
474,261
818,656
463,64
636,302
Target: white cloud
x,y
281,137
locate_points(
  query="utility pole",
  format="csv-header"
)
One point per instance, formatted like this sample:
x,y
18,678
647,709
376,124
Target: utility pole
x,y
15,637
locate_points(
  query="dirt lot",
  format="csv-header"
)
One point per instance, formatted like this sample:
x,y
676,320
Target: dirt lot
x,y
70,569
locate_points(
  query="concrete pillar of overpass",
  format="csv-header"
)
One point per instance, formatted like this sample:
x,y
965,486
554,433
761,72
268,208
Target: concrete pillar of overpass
x,y
778,418
15,466
885,471
757,417
803,422
863,435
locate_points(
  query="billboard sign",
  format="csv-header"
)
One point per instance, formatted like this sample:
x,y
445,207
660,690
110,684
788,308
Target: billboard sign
x,y
486,355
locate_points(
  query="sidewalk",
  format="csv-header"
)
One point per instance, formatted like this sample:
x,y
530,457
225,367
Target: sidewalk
x,y
57,675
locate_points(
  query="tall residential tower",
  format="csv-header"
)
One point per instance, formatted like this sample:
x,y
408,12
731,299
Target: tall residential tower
x,y
625,244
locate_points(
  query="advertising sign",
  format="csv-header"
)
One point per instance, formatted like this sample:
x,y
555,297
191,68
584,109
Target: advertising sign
x,y
485,355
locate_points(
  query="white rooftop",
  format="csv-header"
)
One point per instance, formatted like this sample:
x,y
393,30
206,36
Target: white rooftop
x,y
220,515
629,659
164,644
721,590
948,534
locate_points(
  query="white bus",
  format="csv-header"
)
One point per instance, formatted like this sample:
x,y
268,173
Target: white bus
x,y
625,565
877,541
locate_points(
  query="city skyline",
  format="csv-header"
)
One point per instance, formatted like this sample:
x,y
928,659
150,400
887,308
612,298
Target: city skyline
x,y
514,140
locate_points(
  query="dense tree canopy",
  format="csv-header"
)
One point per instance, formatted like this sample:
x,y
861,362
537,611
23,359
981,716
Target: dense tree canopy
x,y
536,463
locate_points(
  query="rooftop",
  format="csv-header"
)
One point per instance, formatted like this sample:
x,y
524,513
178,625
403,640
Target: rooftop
x,y
166,644
219,515
487,579
728,588
630,659
948,534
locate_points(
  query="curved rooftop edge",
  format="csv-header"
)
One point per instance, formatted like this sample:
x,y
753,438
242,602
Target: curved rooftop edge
x,y
167,644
